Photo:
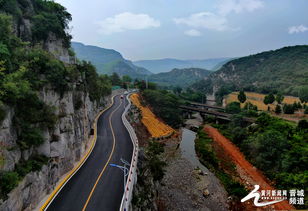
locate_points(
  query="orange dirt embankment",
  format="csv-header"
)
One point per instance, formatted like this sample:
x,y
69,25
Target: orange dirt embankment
x,y
239,159
155,126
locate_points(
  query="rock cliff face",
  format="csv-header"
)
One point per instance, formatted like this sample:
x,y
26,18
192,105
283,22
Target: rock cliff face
x,y
22,15
63,146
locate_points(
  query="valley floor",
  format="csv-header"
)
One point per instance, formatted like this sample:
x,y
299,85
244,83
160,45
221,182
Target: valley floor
x,y
186,188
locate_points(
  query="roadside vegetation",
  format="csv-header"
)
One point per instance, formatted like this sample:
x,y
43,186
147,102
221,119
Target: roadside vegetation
x,y
191,95
9,180
151,162
156,128
277,147
163,103
25,69
207,155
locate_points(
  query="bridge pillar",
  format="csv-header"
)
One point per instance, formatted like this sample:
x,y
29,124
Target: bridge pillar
x,y
189,115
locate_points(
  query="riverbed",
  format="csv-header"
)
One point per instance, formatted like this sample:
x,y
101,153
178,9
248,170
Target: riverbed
x,y
217,198
187,147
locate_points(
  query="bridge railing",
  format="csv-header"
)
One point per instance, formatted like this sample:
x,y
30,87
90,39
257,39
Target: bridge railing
x,y
132,175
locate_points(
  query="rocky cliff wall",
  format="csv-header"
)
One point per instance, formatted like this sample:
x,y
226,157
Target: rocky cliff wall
x,y
64,146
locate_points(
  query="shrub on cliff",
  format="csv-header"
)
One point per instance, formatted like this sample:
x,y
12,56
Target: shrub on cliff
x,y
8,181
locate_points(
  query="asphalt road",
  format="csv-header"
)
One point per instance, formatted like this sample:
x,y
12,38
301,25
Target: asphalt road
x,y
93,187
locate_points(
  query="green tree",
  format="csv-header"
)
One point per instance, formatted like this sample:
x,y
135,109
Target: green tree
x,y
303,94
6,29
306,110
278,109
279,98
115,79
9,180
250,106
177,90
2,112
164,105
50,17
222,91
266,100
288,109
269,99
242,97
233,108
126,79
14,85
267,149
296,106
302,124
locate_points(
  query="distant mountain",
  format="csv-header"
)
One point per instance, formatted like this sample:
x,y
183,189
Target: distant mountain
x,y
165,65
108,61
180,77
284,70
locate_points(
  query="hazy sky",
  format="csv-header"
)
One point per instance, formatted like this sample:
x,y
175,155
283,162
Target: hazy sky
x,y
189,29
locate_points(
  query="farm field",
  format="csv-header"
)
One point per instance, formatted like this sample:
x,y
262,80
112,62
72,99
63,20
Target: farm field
x,y
155,127
257,99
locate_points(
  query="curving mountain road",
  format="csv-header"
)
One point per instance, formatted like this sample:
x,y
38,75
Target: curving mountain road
x,y
97,185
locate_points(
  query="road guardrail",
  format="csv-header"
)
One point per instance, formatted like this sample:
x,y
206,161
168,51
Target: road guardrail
x,y
132,175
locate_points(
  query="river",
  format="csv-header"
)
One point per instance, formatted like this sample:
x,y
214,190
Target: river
x,y
188,149
217,200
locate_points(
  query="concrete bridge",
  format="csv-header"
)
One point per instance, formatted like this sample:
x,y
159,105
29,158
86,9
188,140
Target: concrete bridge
x,y
208,110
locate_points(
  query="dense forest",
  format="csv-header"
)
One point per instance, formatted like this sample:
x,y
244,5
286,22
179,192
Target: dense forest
x,y
283,70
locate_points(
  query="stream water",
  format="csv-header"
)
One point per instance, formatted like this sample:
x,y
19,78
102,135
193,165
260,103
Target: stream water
x,y
187,146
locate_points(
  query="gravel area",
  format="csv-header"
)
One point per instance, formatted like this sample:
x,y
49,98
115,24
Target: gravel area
x,y
186,188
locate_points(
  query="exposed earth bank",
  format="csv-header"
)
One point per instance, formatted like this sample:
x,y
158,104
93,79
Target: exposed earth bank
x,y
183,187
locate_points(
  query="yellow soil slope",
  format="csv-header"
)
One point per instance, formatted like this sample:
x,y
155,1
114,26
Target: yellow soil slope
x,y
155,127
257,99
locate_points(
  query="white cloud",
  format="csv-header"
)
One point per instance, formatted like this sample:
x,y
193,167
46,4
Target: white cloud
x,y
205,20
228,6
193,33
297,29
218,20
127,21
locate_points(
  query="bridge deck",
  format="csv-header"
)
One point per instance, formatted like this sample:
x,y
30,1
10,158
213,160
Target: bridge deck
x,y
206,106
217,114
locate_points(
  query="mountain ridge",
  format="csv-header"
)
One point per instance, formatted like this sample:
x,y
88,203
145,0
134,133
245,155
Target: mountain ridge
x,y
283,70
179,77
167,64
108,61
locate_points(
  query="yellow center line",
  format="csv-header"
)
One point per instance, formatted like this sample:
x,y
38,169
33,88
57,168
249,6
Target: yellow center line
x,y
80,163
110,156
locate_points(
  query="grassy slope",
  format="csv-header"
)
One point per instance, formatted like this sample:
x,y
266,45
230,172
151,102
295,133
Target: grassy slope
x,y
284,70
180,77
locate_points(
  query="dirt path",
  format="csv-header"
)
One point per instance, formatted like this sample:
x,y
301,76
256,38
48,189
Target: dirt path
x,y
239,159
